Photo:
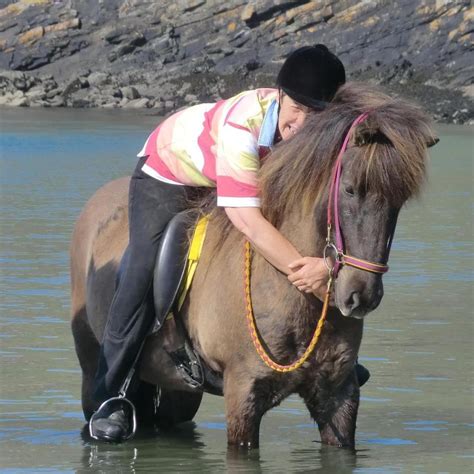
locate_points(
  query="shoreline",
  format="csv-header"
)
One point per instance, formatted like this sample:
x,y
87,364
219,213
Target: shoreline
x,y
97,91
146,119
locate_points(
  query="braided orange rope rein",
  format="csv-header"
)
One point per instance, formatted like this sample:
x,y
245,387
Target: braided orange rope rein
x,y
257,341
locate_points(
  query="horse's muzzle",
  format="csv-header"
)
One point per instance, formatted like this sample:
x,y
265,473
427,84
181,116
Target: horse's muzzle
x,y
356,297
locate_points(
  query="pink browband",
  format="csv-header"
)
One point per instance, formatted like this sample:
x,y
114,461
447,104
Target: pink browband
x,y
338,246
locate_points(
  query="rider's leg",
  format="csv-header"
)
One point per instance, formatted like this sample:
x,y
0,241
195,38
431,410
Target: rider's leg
x,y
152,204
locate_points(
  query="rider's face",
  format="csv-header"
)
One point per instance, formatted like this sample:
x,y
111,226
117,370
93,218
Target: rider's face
x,y
291,117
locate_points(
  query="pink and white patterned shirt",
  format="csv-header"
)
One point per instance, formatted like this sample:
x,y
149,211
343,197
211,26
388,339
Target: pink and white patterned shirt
x,y
216,145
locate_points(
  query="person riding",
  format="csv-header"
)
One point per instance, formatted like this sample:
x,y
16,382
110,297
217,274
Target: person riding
x,y
212,145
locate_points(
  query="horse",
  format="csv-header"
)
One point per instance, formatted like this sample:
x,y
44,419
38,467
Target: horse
x,y
384,166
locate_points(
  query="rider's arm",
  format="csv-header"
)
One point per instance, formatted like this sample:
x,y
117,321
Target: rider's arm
x,y
267,240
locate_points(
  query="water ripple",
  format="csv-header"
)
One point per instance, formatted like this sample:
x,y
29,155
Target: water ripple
x,y
389,441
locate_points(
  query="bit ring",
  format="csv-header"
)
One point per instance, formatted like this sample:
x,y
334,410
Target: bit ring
x,y
327,262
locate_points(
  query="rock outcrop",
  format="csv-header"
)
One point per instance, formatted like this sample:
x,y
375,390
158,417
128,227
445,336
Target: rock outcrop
x,y
163,55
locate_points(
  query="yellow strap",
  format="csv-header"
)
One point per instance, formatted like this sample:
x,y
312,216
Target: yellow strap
x,y
193,258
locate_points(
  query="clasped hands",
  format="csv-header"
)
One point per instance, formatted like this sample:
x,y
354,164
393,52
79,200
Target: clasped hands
x,y
310,275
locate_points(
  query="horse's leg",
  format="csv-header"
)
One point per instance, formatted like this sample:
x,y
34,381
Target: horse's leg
x,y
335,412
245,406
87,349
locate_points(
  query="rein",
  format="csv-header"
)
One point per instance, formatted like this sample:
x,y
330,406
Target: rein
x,y
340,259
256,338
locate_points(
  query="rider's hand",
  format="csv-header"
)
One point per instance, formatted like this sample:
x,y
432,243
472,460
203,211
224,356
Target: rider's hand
x,y
310,275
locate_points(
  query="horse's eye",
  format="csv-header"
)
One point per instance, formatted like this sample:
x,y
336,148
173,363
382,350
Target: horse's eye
x,y
349,190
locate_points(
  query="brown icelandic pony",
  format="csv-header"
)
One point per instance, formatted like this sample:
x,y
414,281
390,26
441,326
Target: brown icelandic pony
x,y
383,167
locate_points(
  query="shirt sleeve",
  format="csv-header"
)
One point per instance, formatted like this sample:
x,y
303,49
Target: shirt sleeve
x,y
237,167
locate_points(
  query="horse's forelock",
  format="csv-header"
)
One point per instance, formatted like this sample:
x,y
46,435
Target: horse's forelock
x,y
395,166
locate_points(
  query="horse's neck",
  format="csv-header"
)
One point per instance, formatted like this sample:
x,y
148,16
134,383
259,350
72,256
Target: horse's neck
x,y
288,304
301,231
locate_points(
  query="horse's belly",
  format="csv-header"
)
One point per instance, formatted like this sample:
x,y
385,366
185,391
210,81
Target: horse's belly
x,y
156,366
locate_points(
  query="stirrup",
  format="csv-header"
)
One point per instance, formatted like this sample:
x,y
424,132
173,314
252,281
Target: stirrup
x,y
111,405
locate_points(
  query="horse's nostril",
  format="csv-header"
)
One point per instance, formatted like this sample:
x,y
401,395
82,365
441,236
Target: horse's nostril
x,y
353,301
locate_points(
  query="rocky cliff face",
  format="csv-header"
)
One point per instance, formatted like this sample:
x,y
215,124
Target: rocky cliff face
x,y
165,54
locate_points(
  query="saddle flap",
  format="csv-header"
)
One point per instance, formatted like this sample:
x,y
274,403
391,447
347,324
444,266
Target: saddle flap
x,y
171,262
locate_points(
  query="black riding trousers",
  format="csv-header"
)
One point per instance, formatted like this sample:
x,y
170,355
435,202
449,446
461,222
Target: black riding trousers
x,y
152,204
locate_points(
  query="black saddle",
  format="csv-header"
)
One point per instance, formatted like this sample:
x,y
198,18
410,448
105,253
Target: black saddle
x,y
171,263
168,276
169,273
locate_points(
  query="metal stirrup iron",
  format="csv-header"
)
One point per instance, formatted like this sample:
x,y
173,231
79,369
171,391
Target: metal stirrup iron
x,y
116,403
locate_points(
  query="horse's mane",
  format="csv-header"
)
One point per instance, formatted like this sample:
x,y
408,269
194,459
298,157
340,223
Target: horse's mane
x,y
392,140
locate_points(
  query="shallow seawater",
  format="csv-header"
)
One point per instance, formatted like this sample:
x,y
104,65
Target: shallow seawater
x,y
416,412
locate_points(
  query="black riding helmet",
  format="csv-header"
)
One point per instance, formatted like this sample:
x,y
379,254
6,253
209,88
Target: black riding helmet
x,y
311,76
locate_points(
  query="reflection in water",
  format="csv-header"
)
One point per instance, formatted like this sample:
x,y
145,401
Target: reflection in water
x,y
149,449
325,459
415,412
238,460
108,457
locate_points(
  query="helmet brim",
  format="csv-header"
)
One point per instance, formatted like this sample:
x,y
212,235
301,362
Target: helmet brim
x,y
302,99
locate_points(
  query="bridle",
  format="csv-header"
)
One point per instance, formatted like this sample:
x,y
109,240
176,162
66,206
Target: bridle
x,y
341,259
337,246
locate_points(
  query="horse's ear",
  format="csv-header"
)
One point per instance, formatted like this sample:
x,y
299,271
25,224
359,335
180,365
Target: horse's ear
x,y
432,141
367,136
